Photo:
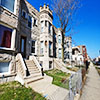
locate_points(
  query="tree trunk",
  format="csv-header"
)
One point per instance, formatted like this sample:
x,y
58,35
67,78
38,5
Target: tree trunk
x,y
63,46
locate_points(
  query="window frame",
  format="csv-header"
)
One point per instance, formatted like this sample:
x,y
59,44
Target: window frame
x,y
33,46
13,30
29,21
9,69
14,10
25,14
41,48
42,26
59,53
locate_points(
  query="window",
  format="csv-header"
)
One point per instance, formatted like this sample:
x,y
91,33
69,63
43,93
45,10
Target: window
x,y
24,14
29,21
4,67
67,55
50,64
50,48
59,39
46,23
9,4
5,36
35,22
59,53
49,28
42,26
67,44
41,50
33,47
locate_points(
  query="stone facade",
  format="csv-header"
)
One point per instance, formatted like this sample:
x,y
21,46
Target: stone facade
x,y
77,57
32,34
68,50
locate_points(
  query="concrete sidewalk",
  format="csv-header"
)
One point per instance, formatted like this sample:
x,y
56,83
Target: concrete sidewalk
x,y
91,90
48,90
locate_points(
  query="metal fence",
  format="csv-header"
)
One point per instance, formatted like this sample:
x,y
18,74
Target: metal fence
x,y
75,84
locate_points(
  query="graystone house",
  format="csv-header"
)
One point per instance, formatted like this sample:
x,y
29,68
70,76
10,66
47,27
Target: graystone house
x,y
68,50
28,41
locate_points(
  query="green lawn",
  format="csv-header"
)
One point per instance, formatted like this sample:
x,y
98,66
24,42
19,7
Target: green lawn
x,y
15,91
98,69
59,78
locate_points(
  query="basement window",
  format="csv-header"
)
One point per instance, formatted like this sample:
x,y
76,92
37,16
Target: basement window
x,y
4,67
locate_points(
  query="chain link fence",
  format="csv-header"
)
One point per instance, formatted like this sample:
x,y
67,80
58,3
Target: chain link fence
x,y
75,84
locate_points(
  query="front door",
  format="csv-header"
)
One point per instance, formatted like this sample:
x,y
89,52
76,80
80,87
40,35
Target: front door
x,y
23,46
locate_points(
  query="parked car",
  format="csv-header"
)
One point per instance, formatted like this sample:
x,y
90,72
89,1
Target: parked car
x,y
98,63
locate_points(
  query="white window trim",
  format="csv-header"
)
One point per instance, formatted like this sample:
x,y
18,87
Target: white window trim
x,y
9,70
15,7
12,37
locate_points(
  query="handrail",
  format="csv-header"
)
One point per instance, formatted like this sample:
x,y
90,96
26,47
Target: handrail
x,y
19,57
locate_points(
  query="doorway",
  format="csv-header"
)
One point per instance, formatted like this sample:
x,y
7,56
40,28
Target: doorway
x,y
23,46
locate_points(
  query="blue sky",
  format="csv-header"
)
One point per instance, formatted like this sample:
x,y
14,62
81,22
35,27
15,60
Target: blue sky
x,y
87,24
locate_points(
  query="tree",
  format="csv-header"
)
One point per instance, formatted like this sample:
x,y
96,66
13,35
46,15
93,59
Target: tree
x,y
65,9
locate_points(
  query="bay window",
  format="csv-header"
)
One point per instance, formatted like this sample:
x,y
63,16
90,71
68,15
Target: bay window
x,y
9,4
5,36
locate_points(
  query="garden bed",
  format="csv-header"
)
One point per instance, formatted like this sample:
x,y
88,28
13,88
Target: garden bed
x,y
59,78
75,69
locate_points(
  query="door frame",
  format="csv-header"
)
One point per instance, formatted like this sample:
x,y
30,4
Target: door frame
x,y
25,39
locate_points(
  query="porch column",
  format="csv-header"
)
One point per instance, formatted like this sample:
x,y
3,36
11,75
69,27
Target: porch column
x,y
13,39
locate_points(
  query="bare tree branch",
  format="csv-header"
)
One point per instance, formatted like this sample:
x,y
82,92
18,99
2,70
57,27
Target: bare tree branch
x,y
65,9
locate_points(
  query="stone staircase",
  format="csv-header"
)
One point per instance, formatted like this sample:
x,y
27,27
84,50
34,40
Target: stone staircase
x,y
33,72
61,66
27,71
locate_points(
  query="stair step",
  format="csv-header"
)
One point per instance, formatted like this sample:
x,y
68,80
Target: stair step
x,y
33,79
33,75
34,69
